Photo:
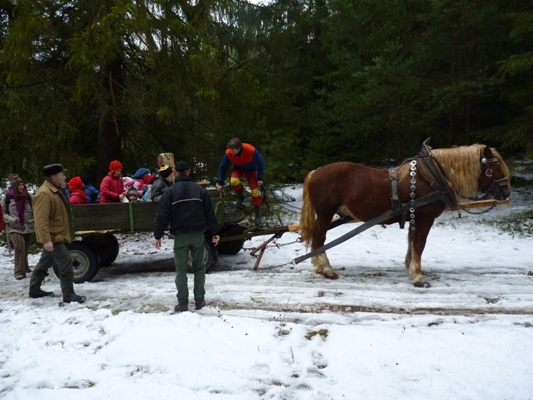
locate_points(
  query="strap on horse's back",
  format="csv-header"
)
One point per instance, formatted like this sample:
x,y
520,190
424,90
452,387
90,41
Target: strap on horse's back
x,y
432,172
396,204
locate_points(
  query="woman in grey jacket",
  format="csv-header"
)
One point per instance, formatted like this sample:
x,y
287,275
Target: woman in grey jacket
x,y
20,226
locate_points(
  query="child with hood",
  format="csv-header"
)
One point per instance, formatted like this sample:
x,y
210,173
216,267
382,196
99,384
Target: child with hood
x,y
77,194
112,186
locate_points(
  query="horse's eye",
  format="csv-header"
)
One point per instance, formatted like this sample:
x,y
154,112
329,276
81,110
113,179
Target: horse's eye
x,y
484,160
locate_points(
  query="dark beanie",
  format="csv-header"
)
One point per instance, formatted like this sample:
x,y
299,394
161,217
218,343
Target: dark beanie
x,y
182,166
165,171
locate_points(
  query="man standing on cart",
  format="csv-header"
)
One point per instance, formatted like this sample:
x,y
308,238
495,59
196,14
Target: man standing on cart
x,y
249,163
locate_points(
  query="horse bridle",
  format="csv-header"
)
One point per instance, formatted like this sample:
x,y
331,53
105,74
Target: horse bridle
x,y
489,174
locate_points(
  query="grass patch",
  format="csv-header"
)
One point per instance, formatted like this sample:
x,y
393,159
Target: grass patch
x,y
519,224
323,333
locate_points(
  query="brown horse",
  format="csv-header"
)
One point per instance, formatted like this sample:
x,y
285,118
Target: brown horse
x,y
364,193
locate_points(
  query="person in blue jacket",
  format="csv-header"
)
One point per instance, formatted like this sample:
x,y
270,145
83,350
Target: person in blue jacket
x,y
92,193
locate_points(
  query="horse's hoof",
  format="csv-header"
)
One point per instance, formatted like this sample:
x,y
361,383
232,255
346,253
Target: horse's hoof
x,y
424,285
331,276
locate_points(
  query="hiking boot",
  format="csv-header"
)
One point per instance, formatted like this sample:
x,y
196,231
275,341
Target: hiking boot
x,y
18,277
74,298
240,200
199,305
181,308
35,294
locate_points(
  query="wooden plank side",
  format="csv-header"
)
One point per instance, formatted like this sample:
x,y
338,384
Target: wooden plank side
x,y
90,217
136,217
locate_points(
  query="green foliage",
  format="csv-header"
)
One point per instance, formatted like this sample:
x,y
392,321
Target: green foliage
x,y
307,82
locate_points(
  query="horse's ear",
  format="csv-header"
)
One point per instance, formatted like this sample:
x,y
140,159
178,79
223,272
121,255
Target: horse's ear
x,y
486,152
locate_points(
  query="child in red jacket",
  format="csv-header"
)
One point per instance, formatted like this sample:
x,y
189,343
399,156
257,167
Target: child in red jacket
x,y
77,194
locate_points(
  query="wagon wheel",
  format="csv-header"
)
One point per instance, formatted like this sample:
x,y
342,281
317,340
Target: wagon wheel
x,y
84,261
210,257
232,246
106,246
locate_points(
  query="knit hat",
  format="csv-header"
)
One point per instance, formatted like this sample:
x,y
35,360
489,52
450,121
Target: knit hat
x,y
13,177
165,171
131,191
75,183
141,172
182,166
15,183
114,165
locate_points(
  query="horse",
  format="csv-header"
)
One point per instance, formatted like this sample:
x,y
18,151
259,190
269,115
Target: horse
x,y
362,192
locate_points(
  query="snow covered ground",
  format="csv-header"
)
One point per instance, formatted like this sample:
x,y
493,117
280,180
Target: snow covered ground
x,y
285,332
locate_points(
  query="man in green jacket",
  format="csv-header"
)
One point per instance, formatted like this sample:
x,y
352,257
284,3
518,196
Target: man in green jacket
x,y
53,228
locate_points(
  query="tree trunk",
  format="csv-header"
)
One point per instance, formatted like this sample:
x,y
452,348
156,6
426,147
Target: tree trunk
x,y
111,118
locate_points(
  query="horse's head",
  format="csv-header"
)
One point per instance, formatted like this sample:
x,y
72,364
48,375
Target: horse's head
x,y
494,177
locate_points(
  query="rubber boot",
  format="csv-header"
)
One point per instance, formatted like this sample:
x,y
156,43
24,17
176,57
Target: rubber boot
x,y
67,287
240,199
258,221
37,278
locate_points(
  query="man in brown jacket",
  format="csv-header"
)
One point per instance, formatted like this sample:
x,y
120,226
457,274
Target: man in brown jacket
x,y
53,228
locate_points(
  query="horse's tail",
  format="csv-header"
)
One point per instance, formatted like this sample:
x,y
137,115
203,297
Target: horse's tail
x,y
307,216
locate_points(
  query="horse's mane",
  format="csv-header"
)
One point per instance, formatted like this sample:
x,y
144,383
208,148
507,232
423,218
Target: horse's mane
x,y
461,166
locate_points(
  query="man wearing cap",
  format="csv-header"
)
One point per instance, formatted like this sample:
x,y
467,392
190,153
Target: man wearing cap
x,y
186,206
53,228
246,162
166,178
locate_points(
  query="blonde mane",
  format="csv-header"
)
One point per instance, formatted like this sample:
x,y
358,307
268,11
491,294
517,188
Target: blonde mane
x,y
461,166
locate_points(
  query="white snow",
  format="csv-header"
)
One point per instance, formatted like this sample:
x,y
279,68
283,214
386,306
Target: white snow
x,y
286,332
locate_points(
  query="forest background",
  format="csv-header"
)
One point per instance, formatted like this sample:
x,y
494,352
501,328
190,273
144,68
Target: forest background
x,y
307,82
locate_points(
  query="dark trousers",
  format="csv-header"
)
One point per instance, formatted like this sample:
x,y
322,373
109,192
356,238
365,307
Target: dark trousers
x,y
21,243
60,257
193,243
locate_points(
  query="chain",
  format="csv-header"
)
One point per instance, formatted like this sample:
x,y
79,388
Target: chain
x,y
413,189
275,266
477,212
299,240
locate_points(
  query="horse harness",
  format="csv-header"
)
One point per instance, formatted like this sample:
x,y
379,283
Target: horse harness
x,y
430,169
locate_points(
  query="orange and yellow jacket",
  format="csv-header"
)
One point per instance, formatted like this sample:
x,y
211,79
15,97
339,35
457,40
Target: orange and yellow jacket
x,y
248,160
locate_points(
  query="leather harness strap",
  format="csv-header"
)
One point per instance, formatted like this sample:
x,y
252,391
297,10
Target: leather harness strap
x,y
422,201
396,204
432,172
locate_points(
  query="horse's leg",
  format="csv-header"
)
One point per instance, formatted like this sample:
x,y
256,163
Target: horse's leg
x,y
320,261
417,244
409,254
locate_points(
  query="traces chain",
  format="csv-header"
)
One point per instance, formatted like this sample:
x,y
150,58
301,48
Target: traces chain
x,y
299,240
413,189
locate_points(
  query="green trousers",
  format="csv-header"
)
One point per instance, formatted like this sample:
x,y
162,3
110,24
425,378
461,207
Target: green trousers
x,y
193,243
60,257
